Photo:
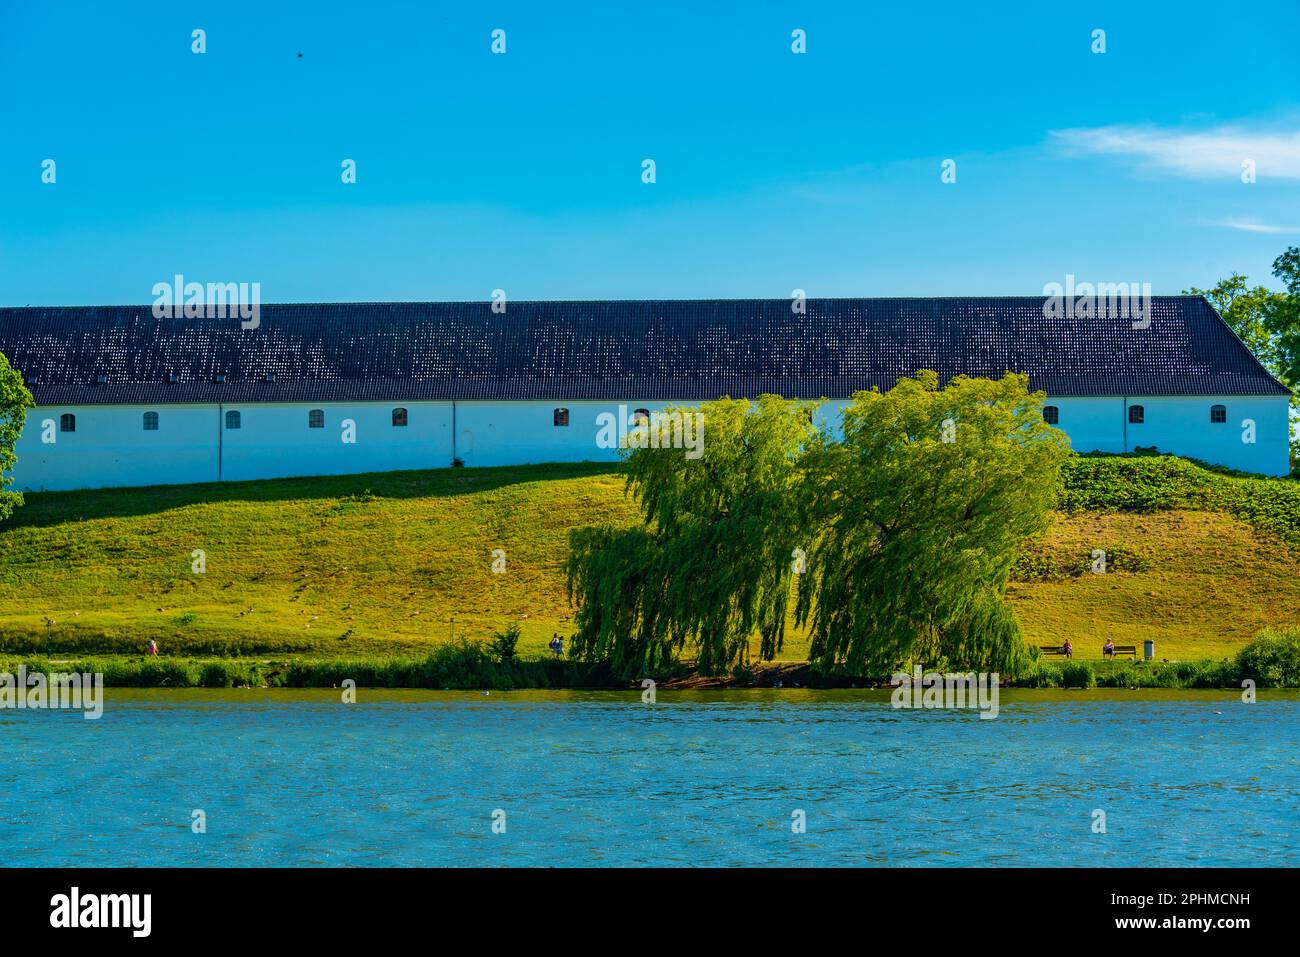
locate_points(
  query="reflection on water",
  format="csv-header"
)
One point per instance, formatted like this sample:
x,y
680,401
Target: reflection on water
x,y
700,778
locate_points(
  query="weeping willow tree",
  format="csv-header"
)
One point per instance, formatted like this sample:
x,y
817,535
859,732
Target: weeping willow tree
x,y
712,561
920,512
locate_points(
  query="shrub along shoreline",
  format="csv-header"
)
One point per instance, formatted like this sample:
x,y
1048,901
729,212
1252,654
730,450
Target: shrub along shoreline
x,y
1271,660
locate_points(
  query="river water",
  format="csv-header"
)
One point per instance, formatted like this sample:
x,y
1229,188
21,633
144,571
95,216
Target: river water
x,y
698,778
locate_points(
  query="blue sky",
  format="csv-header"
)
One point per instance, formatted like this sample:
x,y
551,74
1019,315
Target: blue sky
x,y
522,171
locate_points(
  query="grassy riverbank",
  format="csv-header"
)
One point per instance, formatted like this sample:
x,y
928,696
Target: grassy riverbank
x,y
393,565
1272,660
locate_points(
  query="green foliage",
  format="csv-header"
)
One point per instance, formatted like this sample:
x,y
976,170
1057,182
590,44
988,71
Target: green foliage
x,y
190,641
148,673
609,571
744,674
1249,312
504,643
230,674
1155,483
1078,674
710,563
15,400
906,531
1042,675
458,665
1120,556
1283,320
921,511
1196,674
1267,322
1035,564
1133,674
1272,660
1139,483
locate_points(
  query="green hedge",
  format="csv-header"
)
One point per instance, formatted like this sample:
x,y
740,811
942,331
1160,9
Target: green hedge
x,y
1154,483
459,666
1271,660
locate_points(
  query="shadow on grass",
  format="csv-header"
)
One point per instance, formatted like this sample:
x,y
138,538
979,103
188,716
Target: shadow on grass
x,y
44,509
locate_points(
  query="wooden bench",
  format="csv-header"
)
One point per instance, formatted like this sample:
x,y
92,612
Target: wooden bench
x,y
1055,650
1124,650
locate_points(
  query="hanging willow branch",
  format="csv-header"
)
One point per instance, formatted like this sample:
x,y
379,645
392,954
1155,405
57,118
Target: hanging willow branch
x,y
711,563
923,508
909,522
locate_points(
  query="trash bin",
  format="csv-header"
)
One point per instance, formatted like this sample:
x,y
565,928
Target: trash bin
x,y
1149,650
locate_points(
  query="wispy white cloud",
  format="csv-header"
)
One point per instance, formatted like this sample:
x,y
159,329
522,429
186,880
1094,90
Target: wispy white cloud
x,y
1210,153
1249,226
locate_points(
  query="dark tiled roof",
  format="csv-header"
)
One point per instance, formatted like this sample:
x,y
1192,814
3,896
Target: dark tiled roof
x,y
689,350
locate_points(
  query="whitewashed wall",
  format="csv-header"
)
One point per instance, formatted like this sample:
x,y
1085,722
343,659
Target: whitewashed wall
x,y
110,447
275,441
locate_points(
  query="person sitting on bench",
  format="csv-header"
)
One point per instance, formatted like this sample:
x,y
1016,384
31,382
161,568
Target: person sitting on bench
x,y
1067,649
1109,648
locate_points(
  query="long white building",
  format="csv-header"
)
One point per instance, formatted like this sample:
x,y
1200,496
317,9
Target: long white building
x,y
125,399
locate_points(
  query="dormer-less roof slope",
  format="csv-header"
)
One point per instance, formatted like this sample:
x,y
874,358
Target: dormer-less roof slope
x,y
686,350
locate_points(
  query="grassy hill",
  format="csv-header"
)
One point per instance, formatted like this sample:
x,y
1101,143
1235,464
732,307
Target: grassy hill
x,y
392,563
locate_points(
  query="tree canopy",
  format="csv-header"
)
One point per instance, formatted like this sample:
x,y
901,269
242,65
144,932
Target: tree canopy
x,y
1283,318
900,534
1248,311
1267,321
15,400
711,562
920,512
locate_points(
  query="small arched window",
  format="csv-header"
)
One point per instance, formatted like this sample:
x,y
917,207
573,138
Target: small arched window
x,y
1218,413
641,417
151,421
1051,414
1137,414
316,419
399,417
232,419
560,417
67,422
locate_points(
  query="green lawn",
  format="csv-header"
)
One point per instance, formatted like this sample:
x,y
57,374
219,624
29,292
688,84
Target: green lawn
x,y
1209,584
294,565
383,563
